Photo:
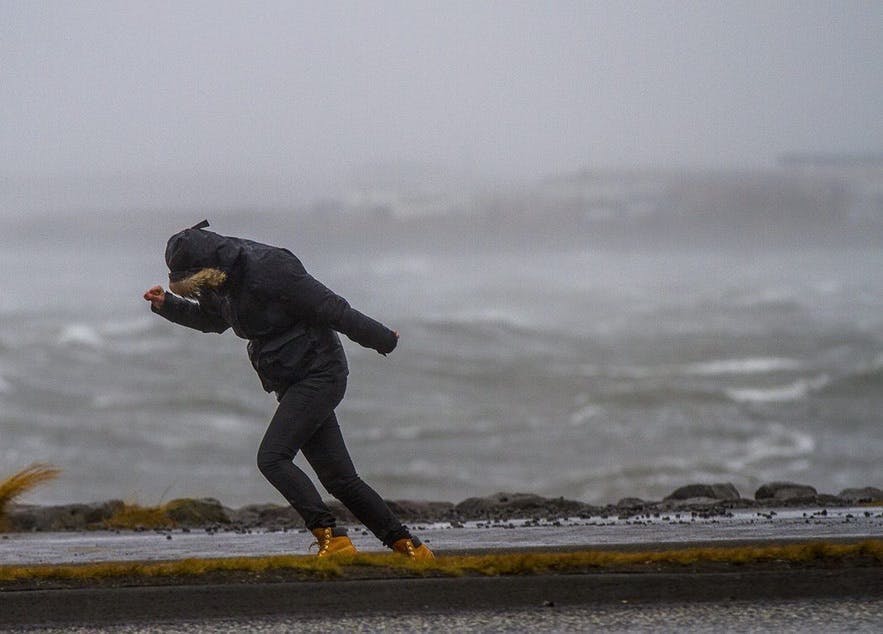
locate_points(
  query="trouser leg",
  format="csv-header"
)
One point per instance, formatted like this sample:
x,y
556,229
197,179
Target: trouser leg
x,y
327,454
302,410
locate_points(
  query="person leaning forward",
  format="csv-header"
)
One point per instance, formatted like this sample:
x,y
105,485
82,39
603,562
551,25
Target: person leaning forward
x,y
291,322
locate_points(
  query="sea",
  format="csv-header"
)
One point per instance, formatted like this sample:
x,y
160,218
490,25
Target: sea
x,y
562,367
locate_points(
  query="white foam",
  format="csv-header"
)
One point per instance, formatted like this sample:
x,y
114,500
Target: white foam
x,y
776,443
80,334
748,365
408,432
227,423
106,401
584,414
791,392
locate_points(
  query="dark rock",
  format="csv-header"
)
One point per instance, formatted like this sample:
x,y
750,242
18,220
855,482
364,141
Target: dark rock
x,y
266,516
826,499
67,517
481,507
785,492
196,512
689,503
864,495
630,504
719,491
520,505
421,511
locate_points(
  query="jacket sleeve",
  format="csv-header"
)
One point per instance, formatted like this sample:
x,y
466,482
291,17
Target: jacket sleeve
x,y
191,314
309,299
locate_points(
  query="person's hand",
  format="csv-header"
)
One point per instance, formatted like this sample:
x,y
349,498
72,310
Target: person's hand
x,y
156,296
396,333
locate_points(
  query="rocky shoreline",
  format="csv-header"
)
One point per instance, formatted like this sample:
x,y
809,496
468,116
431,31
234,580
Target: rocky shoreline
x,y
705,500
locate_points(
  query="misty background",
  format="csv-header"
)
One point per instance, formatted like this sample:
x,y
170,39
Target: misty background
x,y
213,105
629,245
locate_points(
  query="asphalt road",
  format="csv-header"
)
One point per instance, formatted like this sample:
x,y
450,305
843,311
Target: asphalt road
x,y
553,602
780,616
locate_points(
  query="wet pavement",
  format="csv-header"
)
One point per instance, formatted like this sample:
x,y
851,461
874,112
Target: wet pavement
x,y
816,615
672,529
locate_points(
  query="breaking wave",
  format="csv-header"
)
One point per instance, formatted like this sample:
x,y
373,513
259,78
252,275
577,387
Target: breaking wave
x,y
80,335
750,365
791,392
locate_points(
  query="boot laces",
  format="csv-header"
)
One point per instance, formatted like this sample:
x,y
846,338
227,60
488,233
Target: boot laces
x,y
323,541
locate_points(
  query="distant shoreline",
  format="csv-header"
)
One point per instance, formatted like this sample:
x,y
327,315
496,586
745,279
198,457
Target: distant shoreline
x,y
702,500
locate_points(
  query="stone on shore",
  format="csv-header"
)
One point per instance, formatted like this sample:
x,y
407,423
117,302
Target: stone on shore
x,y
785,492
631,504
269,516
703,499
192,512
421,511
862,496
66,517
521,505
705,492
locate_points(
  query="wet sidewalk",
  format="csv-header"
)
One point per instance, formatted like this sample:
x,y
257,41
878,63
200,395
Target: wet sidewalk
x,y
672,529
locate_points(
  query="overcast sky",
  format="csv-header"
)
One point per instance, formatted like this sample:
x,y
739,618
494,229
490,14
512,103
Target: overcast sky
x,y
297,90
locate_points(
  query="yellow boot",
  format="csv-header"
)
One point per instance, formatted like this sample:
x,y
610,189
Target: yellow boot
x,y
331,544
418,552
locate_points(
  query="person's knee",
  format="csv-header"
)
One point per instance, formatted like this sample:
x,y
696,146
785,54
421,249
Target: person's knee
x,y
269,461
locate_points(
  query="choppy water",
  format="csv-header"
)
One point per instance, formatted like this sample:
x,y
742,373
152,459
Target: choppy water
x,y
582,372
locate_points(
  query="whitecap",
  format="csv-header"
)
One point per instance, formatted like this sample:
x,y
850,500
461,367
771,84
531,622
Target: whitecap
x,y
748,365
791,392
777,443
408,432
5,387
226,423
80,335
584,414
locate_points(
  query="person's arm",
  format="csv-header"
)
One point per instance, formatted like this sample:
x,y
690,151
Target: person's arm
x,y
184,312
308,298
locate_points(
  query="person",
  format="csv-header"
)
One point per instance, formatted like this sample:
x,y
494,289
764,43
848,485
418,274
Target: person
x,y
291,321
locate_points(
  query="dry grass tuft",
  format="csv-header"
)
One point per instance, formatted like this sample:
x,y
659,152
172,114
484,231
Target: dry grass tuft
x,y
19,483
132,516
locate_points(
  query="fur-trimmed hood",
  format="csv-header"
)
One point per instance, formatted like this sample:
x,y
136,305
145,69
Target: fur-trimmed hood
x,y
195,283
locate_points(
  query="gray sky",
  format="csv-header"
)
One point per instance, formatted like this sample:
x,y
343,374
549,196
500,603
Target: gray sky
x,y
293,91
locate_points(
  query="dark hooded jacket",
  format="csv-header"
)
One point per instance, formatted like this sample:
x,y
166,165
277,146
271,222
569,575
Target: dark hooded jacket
x,y
268,297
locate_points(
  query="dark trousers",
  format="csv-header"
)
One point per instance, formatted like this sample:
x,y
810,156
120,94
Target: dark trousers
x,y
305,421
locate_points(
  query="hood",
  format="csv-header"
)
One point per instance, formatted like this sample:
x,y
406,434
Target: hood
x,y
194,249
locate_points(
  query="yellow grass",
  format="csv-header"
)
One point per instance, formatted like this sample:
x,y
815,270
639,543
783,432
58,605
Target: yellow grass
x,y
19,483
486,565
134,516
